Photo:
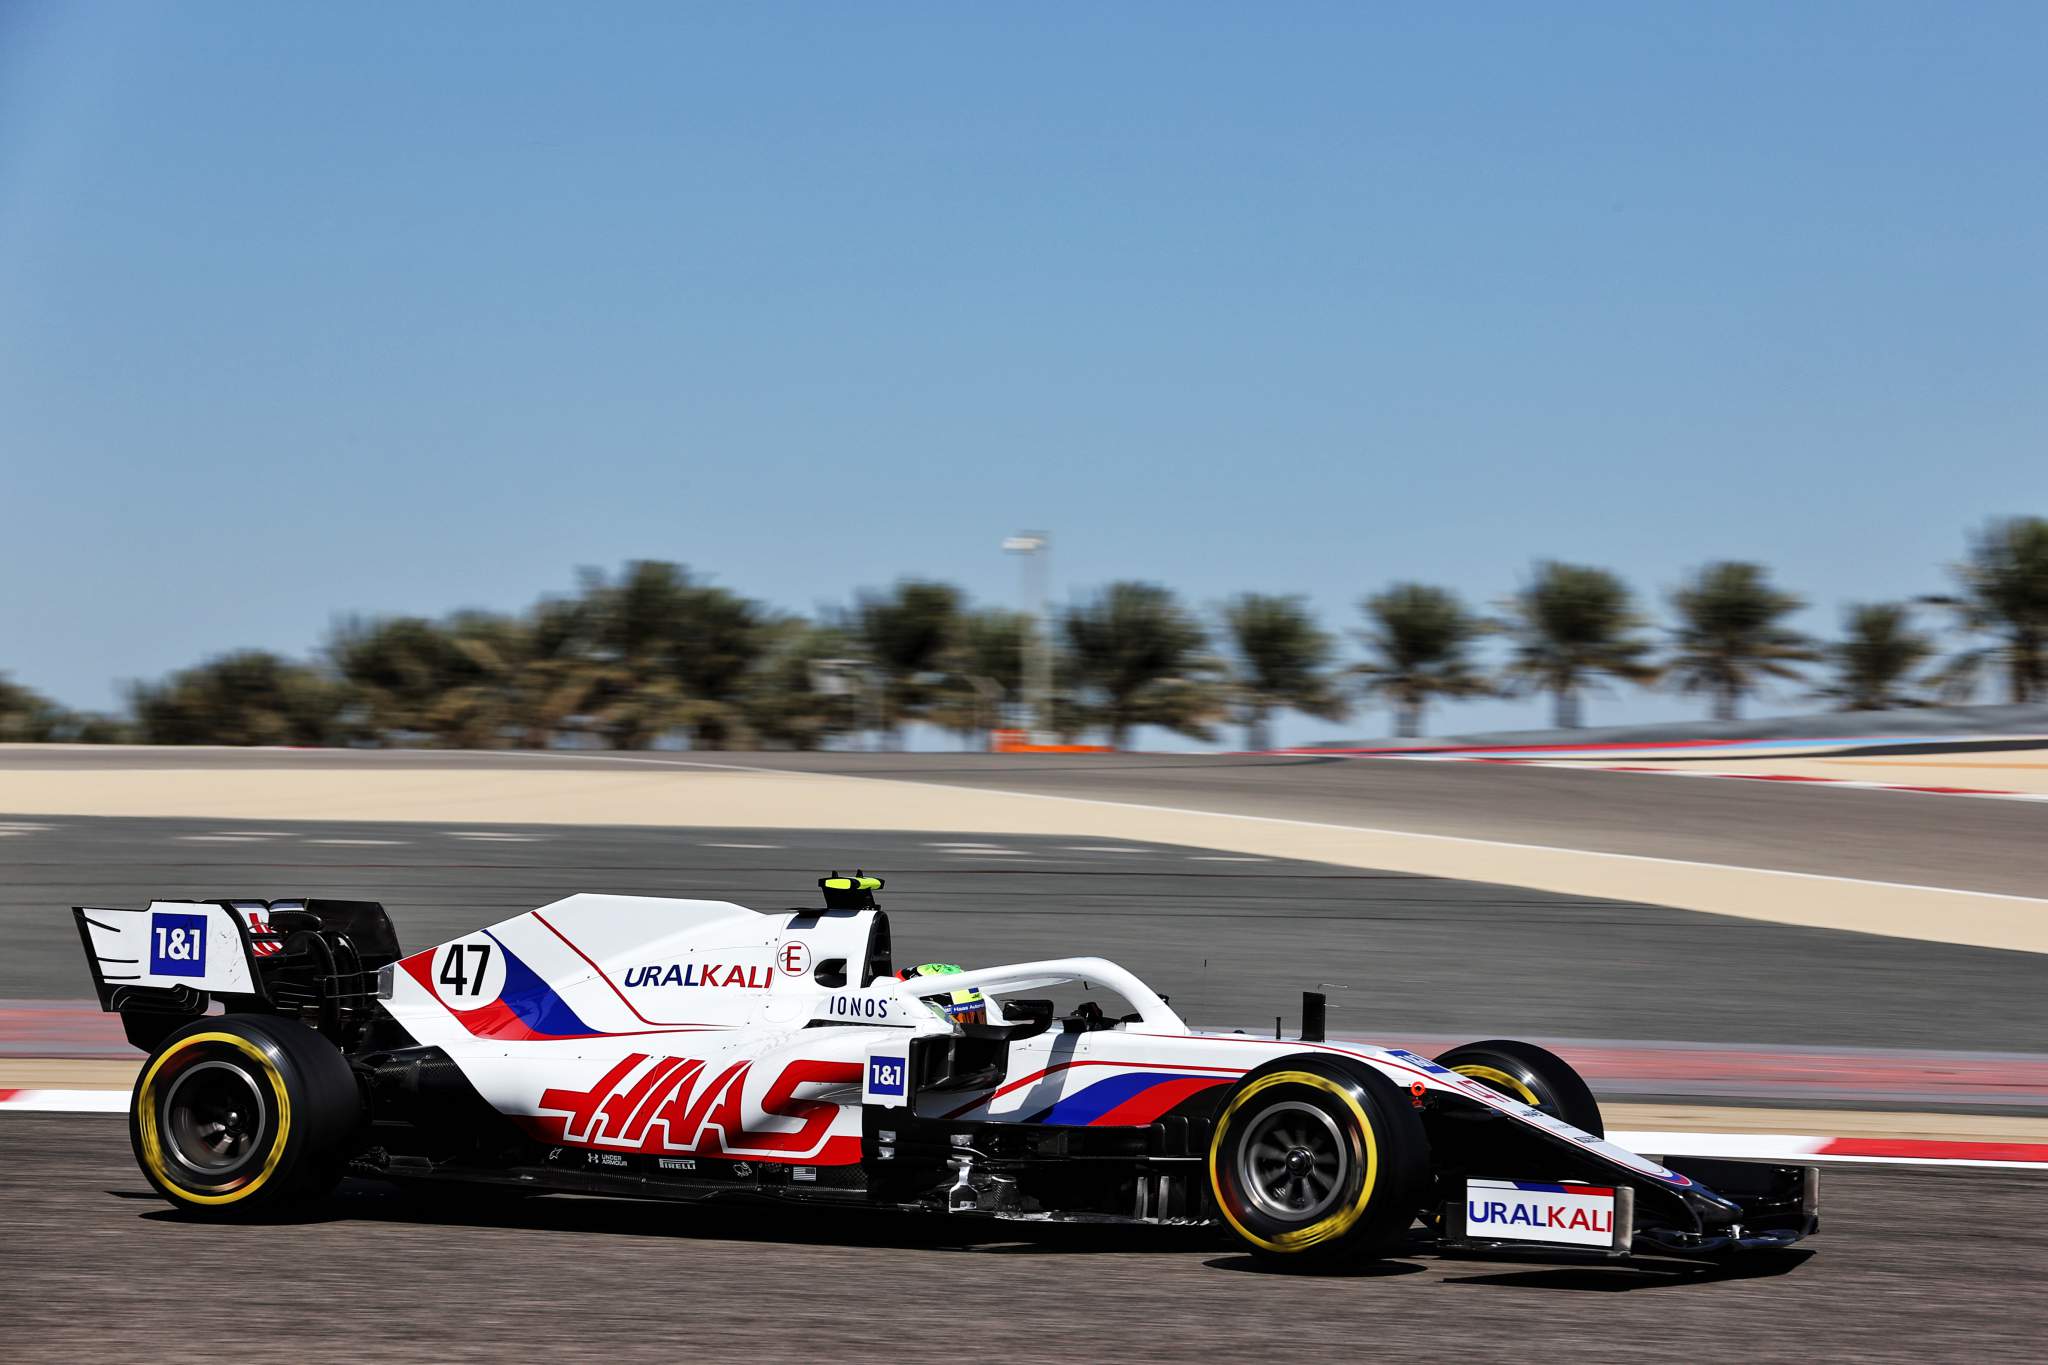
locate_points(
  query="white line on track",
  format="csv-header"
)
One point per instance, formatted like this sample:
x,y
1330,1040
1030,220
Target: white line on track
x,y
1100,848
66,1101
482,837
360,843
221,838
1803,1147
1457,840
1782,1147
742,845
1636,769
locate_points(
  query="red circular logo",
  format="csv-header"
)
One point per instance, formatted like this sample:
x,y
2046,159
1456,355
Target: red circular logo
x,y
793,958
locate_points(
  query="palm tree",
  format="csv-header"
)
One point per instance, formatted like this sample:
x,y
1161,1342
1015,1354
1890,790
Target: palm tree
x,y
1137,658
1281,662
26,716
1572,627
672,652
1421,640
518,680
29,717
474,680
95,727
787,701
984,667
636,619
1876,659
631,625
476,705
247,698
552,677
1729,636
397,670
2004,595
905,633
720,639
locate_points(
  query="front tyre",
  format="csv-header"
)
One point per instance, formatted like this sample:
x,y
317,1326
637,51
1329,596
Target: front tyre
x,y
1538,1078
1317,1158
241,1113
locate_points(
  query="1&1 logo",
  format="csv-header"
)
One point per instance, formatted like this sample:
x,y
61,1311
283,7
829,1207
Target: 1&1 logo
x,y
177,945
885,1075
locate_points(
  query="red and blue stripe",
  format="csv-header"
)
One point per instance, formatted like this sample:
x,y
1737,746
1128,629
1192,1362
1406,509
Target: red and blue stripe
x,y
528,1009
1134,1098
1538,1186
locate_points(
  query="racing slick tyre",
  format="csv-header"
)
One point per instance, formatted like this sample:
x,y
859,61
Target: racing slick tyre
x,y
1542,1080
1317,1159
240,1114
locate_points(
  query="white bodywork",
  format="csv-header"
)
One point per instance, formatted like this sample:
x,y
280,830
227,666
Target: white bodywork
x,y
194,944
701,1029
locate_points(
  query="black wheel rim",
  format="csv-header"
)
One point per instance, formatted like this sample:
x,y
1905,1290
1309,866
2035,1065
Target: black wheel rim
x,y
213,1117
1294,1161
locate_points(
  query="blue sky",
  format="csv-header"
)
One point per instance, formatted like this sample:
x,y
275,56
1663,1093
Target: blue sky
x,y
310,310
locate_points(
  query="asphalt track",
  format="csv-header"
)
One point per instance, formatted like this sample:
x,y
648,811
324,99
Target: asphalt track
x,y
1879,836
1911,1264
1876,836
1233,940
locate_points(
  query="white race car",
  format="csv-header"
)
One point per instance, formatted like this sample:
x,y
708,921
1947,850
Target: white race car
x,y
691,1050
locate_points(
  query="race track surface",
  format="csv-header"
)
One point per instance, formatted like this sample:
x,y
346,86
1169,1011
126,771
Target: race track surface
x,y
1876,836
1911,1264
1233,940
1880,836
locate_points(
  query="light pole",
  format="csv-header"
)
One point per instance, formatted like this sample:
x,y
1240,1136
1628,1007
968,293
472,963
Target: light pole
x,y
1035,546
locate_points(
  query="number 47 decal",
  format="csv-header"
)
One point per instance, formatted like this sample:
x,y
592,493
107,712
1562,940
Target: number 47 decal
x,y
453,973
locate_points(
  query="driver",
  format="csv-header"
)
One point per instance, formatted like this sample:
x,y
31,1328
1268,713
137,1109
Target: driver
x,y
961,1007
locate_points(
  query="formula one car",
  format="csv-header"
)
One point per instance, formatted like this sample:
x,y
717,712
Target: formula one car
x,y
694,1050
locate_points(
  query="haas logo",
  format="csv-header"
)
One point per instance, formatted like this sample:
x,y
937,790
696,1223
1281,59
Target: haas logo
x,y
678,1104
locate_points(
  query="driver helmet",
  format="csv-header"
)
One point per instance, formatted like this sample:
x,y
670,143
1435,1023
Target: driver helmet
x,y
961,1007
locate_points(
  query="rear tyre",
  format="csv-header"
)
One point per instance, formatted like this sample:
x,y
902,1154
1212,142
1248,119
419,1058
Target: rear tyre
x,y
1317,1159
1538,1078
240,1114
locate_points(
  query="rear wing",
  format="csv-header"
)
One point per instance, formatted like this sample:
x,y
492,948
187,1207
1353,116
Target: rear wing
x,y
171,956
315,960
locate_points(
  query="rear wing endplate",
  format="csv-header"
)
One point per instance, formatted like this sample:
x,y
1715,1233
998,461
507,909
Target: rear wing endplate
x,y
170,957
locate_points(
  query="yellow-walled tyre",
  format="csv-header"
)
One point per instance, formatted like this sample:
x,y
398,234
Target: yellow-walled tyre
x,y
1317,1158
240,1114
1538,1078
